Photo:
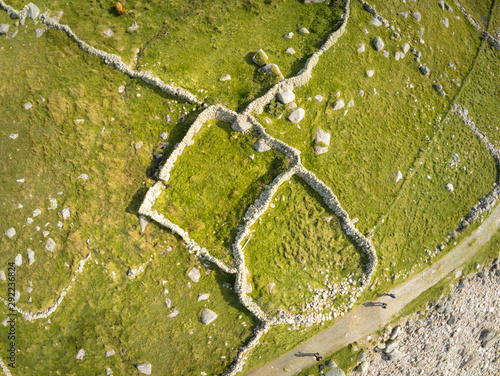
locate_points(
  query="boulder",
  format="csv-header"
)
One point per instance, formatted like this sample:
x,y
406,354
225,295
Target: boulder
x,y
4,29
110,353
370,73
203,297
260,58
207,316
303,30
376,22
261,146
80,355
242,124
378,44
336,371
144,368
273,70
322,137
338,104
441,4
32,11
399,176
362,356
406,48
66,213
39,32
395,331
174,313
194,274
297,115
424,70
290,51
361,48
225,78
397,55
286,96
391,345
417,16
449,187
10,232
109,33
51,245
18,260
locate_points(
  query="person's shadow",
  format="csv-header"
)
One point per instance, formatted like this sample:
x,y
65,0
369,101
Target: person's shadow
x,y
303,355
371,304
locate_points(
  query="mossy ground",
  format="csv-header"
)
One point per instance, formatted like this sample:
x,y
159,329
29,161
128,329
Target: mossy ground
x,y
380,135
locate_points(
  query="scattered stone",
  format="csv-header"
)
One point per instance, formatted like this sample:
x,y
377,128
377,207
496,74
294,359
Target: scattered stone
x,y
143,222
290,51
110,353
144,368
397,55
390,345
362,356
80,355
39,32
399,176
273,69
28,106
18,260
331,363
441,4
296,115
60,224
51,245
37,212
109,33
449,187
448,7
288,35
2,276
452,320
168,302
318,98
242,124
417,16
313,1
370,73
395,331
10,232
261,146
29,220
395,355
270,287
66,213
13,136
376,22
322,141
472,360
361,93
203,297
385,54
174,313
121,89
225,78
286,96
292,105
32,11
133,28
336,371
4,29
138,145
406,48
83,176
303,30
446,23
194,274
378,44
404,14
109,371
424,70
207,316
361,48
338,104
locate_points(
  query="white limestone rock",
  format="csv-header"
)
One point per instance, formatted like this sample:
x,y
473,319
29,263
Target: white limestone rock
x,y
10,232
194,274
286,96
207,316
297,115
144,368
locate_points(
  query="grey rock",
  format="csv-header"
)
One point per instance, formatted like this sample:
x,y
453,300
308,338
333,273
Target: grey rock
x,y
121,89
318,98
378,44
2,276
351,103
163,135
399,176
361,48
449,187
80,355
261,146
174,313
395,332
4,29
52,204
36,212
18,260
66,213
39,32
313,1
362,356
395,355
385,54
322,137
51,245
204,296
270,287
441,4
144,368
133,28
28,106
486,335
108,371
390,345
404,14
296,115
417,16
10,232
438,87
290,51
286,96
336,371
225,78
168,302
207,316
397,55
32,11
110,353
363,367
446,23
331,363
424,70
288,35
273,69
448,7
83,176
406,48
194,274
361,93
471,361
338,104
452,320
138,145
376,22
242,124
260,58
108,33
370,73
303,30
143,222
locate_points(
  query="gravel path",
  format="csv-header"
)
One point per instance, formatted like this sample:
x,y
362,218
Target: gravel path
x,y
365,320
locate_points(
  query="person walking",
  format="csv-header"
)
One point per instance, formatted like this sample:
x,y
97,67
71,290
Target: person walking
x,y
392,296
318,357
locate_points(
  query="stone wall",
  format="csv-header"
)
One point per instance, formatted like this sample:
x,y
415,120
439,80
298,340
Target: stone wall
x,y
490,38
